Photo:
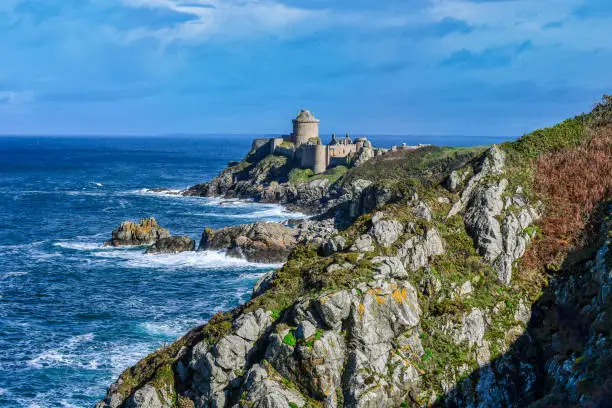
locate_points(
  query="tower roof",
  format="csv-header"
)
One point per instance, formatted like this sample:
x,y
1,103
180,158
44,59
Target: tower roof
x,y
306,116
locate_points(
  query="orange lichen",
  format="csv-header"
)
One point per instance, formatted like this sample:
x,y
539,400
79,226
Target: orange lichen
x,y
400,295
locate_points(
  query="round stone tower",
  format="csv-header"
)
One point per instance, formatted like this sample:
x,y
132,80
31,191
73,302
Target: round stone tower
x,y
305,127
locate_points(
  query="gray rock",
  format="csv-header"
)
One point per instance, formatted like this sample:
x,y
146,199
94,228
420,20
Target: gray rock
x,y
364,243
416,252
389,267
334,244
172,245
472,329
263,283
146,232
305,330
481,222
385,311
455,179
421,210
385,231
337,267
146,397
260,388
265,242
491,163
251,326
334,308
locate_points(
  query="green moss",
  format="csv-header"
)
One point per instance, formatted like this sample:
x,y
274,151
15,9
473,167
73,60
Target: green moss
x,y
290,339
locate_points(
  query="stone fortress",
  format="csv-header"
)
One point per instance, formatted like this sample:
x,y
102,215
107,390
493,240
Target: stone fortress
x,y
304,146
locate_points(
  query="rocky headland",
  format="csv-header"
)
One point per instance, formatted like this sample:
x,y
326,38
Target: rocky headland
x,y
476,277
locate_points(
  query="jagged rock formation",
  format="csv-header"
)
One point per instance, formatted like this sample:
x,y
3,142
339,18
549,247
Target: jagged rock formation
x,y
172,245
146,232
418,301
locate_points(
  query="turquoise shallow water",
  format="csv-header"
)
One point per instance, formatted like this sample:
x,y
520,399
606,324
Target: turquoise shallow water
x,y
73,314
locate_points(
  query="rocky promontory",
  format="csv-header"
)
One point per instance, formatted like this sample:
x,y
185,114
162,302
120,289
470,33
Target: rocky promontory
x,y
146,232
451,277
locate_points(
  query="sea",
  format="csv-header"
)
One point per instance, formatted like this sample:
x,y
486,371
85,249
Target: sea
x,y
73,313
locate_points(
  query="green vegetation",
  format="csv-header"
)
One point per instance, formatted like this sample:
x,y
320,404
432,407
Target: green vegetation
x,y
426,166
297,176
290,339
287,145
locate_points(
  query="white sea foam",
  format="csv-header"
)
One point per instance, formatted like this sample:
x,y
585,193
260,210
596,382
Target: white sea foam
x,y
162,329
3,391
70,354
79,245
200,259
96,184
12,274
169,192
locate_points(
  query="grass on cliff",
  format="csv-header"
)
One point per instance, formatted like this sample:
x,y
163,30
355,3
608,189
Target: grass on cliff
x,y
298,176
430,165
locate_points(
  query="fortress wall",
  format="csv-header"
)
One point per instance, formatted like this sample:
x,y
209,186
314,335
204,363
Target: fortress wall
x,y
275,143
314,157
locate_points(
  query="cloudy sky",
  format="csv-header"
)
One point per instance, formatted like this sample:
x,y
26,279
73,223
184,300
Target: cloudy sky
x,y
471,67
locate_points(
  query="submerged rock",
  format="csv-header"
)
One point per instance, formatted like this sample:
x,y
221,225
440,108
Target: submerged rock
x,y
172,245
146,232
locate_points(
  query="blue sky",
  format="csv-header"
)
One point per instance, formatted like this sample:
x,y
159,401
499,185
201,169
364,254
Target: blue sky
x,y
471,67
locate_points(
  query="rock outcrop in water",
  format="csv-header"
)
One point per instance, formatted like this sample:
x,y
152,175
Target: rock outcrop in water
x,y
264,242
172,245
420,300
146,232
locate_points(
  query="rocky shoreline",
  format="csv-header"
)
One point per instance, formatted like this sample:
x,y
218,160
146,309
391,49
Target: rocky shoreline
x,y
406,289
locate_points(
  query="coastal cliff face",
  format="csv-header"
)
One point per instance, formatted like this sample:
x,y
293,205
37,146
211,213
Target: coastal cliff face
x,y
452,281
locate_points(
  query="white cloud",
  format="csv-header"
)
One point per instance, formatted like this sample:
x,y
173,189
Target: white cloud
x,y
228,19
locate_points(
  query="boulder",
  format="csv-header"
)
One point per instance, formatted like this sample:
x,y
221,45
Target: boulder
x,y
172,245
364,243
334,244
385,231
146,397
146,232
264,242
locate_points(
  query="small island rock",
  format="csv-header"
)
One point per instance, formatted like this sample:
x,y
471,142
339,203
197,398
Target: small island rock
x,y
146,232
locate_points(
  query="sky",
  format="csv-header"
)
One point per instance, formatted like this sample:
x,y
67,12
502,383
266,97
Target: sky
x,y
430,67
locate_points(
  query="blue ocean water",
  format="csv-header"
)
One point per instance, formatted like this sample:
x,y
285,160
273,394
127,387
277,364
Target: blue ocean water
x,y
74,314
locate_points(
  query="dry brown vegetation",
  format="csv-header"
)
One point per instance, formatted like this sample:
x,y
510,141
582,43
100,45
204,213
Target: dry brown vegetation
x,y
571,182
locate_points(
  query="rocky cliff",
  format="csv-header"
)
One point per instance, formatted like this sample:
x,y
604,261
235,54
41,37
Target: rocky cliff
x,y
429,294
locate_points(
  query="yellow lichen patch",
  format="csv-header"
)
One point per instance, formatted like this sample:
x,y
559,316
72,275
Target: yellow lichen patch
x,y
380,299
400,295
361,309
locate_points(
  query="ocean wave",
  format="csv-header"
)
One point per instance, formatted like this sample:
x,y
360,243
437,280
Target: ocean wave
x,y
80,245
96,184
12,274
166,192
171,330
68,355
199,259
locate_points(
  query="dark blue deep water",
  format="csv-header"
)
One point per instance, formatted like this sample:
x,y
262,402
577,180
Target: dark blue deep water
x,y
73,314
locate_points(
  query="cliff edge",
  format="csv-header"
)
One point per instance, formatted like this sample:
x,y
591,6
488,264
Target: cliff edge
x,y
476,277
